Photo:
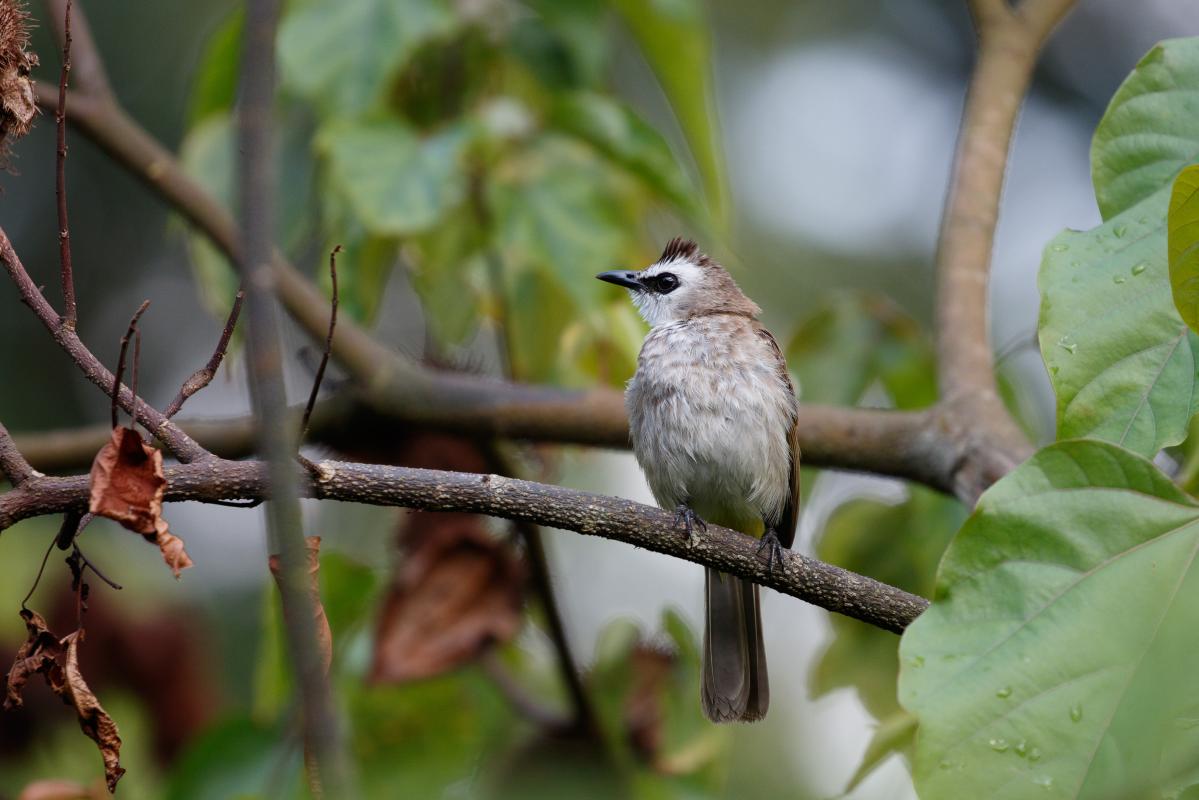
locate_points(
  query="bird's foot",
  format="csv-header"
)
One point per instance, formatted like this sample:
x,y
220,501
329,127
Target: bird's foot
x,y
774,552
690,521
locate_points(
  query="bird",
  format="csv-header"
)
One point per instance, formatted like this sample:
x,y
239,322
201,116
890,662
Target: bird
x,y
713,420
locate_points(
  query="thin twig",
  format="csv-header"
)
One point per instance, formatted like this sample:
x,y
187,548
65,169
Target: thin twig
x,y
87,563
327,765
585,719
179,443
38,578
320,370
13,465
70,314
203,376
552,507
116,377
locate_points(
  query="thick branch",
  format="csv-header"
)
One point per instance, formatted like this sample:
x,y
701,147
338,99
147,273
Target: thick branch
x,y
12,464
988,441
179,443
808,579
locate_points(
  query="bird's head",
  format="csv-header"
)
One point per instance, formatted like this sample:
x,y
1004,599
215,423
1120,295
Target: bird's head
x,y
683,283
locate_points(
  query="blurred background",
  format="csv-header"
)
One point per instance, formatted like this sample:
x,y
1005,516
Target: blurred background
x,y
480,161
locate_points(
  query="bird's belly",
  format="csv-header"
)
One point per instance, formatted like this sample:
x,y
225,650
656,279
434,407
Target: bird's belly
x,y
719,447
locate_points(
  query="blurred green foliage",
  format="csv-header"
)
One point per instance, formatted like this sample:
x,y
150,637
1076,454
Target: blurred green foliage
x,y
477,147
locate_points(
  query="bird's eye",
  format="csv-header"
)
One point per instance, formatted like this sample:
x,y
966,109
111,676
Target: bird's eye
x,y
666,283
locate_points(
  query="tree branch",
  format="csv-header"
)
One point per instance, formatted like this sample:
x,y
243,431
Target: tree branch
x,y
179,443
988,442
327,766
615,518
70,312
12,464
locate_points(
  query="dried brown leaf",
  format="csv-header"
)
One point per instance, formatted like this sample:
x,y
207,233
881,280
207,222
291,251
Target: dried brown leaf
x,y
643,705
172,548
93,719
18,105
40,652
55,789
127,485
324,636
58,661
456,593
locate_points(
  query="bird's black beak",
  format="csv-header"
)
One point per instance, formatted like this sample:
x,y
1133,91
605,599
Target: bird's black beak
x,y
622,277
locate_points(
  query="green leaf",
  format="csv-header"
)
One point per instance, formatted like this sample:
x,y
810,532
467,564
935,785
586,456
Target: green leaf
x,y
896,734
861,536
396,181
236,758
1182,226
620,135
1058,657
208,155
1120,359
1150,129
673,35
215,87
342,55
853,339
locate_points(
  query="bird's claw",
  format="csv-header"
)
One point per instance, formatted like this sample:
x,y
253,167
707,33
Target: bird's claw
x,y
683,515
774,552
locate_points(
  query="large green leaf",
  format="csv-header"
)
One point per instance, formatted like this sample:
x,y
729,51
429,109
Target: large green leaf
x,y
342,55
673,35
1150,129
625,139
1182,226
397,181
1120,358
1058,658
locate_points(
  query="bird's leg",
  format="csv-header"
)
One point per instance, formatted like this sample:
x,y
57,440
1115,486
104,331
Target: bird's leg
x,y
774,551
684,515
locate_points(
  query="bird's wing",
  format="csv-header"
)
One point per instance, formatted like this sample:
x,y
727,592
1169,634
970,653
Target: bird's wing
x,y
789,519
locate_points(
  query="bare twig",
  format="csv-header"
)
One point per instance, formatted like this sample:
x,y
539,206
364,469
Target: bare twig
x,y
70,314
179,443
551,506
12,464
585,719
87,563
320,370
116,378
328,767
203,376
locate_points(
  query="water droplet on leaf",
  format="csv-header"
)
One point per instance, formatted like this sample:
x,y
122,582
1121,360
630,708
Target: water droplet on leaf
x,y
1120,230
999,745
1022,748
1140,267
1119,279
1076,713
1006,691
1060,248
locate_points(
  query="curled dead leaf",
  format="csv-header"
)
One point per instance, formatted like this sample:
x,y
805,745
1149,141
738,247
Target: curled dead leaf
x,y
457,592
93,719
324,636
40,652
18,105
58,662
127,485
171,547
